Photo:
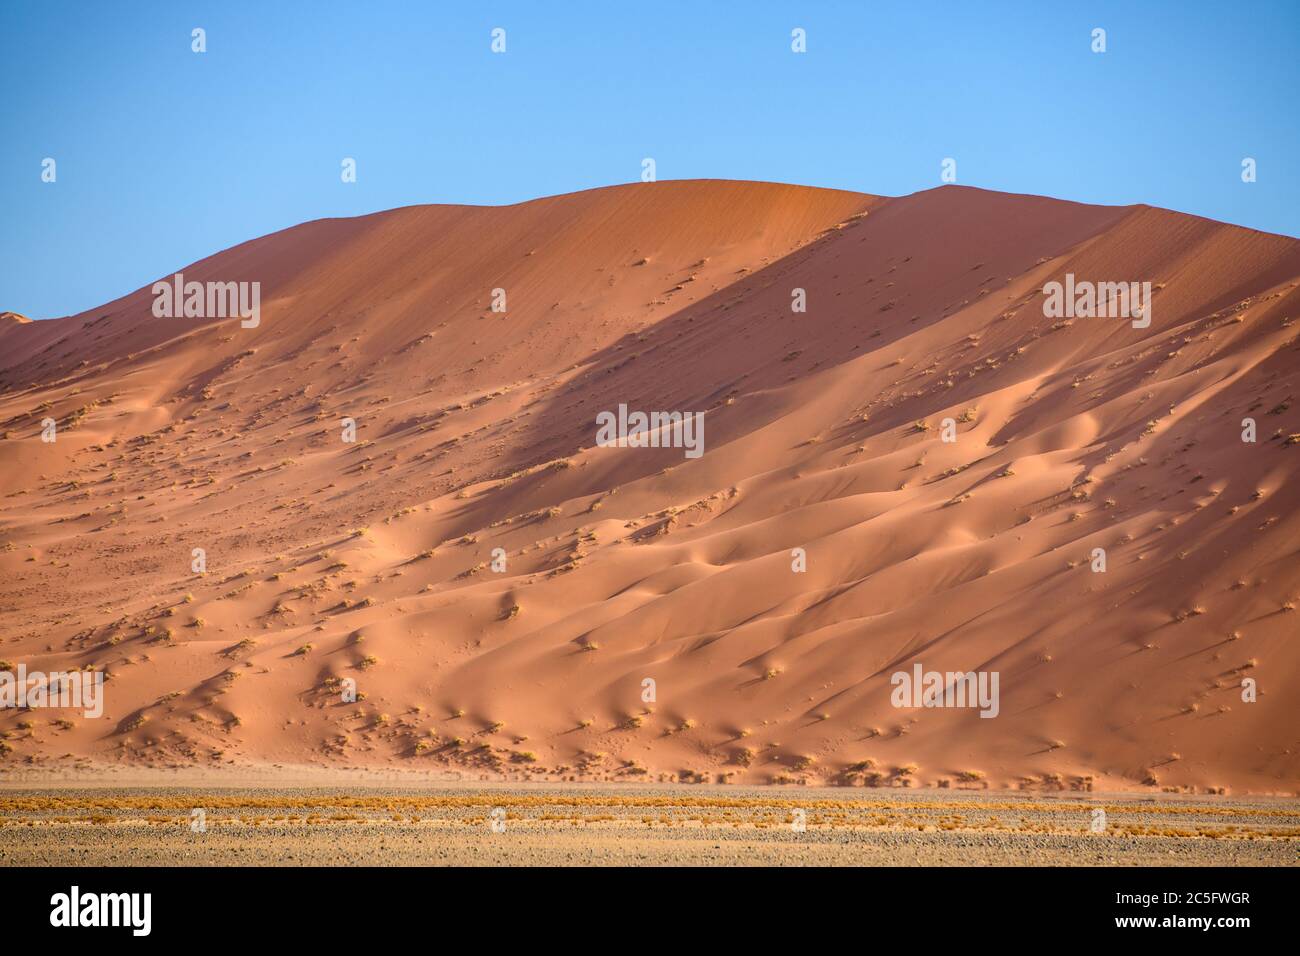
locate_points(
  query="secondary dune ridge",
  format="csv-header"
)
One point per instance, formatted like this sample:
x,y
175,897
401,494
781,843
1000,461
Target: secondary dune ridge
x,y
372,561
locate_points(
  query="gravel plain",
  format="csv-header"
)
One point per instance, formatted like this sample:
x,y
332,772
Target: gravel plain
x,y
624,825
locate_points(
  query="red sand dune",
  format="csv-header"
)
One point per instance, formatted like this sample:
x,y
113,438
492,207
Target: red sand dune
x,y
476,431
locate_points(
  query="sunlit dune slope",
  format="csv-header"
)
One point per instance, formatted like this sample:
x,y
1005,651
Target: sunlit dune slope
x,y
500,589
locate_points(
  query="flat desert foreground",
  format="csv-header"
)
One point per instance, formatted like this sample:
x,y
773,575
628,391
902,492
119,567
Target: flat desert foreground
x,y
511,825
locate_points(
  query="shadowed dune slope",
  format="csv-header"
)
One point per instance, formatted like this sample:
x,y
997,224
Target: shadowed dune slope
x,y
500,590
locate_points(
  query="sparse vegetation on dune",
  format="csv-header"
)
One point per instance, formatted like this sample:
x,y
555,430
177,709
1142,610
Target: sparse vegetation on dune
x,y
478,545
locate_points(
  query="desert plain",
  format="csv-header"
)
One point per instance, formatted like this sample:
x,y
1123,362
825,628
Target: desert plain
x,y
363,820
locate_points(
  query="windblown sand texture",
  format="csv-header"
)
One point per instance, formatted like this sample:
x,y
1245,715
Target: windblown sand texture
x,y
476,431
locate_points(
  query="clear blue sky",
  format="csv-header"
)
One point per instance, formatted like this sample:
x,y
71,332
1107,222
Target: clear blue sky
x,y
165,156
